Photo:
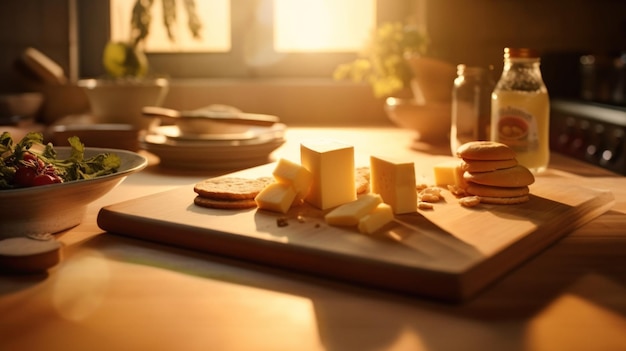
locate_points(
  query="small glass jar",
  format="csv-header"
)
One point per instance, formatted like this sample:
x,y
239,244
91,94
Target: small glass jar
x,y
520,109
471,106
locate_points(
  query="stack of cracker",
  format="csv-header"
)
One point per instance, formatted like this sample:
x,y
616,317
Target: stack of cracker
x,y
492,173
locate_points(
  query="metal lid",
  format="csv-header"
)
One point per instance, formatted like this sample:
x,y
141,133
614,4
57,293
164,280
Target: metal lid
x,y
520,53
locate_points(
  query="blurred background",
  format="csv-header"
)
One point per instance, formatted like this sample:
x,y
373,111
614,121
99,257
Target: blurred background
x,y
73,34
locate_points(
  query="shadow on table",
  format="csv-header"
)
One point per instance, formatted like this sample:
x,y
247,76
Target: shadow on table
x,y
343,312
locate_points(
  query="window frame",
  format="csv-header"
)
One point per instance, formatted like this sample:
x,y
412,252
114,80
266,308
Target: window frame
x,y
94,29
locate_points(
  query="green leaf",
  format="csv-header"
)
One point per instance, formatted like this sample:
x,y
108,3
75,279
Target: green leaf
x,y
74,167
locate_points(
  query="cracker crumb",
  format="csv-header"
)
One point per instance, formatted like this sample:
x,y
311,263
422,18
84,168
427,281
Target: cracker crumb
x,y
420,187
430,194
282,222
469,201
457,190
432,190
429,198
424,205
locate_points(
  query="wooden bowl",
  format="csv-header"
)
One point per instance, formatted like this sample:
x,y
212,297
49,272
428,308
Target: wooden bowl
x,y
431,122
15,108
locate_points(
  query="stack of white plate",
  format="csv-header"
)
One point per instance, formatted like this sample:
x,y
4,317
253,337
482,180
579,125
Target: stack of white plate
x,y
231,151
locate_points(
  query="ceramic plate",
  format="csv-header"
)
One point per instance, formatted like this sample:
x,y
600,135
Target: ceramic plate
x,y
174,133
56,207
215,154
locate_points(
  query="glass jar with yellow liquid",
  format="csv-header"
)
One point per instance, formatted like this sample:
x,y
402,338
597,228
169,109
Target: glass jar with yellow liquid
x,y
520,109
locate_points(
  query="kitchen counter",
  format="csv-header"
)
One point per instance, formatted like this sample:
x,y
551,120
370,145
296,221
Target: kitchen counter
x,y
114,292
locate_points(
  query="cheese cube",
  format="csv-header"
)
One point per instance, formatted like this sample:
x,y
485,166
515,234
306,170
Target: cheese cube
x,y
350,213
294,174
376,219
395,182
276,197
332,166
448,173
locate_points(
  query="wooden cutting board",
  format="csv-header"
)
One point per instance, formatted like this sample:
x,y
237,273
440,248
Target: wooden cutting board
x,y
448,253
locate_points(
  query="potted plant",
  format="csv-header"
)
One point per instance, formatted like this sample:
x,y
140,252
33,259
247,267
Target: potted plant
x,y
395,63
129,85
417,88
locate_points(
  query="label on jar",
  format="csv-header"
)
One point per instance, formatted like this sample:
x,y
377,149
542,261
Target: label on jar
x,y
517,128
522,121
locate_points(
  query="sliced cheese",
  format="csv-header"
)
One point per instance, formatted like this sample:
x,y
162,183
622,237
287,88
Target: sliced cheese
x,y
296,175
395,182
350,213
376,219
331,164
448,173
276,197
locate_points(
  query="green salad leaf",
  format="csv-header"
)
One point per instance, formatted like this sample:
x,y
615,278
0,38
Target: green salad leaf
x,y
74,167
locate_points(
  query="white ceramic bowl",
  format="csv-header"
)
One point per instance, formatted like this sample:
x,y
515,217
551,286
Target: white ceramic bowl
x,y
430,121
121,101
57,207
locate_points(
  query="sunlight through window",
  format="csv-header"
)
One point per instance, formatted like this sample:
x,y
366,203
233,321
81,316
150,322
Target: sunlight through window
x,y
322,25
298,25
215,32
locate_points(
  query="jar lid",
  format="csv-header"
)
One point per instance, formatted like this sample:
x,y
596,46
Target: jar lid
x,y
520,53
465,69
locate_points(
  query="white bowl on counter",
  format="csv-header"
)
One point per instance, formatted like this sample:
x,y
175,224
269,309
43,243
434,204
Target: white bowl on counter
x,y
431,122
120,101
57,207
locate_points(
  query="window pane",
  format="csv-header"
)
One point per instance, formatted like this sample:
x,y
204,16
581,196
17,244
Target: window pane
x,y
322,25
214,16
253,49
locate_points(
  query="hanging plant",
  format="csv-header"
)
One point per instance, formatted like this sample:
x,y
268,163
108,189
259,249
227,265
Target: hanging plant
x,y
127,58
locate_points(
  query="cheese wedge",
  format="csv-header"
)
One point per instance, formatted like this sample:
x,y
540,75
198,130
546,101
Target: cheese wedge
x,y
350,213
332,167
276,197
448,173
376,219
296,175
395,182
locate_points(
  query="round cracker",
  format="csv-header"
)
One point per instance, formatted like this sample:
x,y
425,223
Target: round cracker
x,y
517,176
496,191
224,204
485,150
504,200
474,166
231,188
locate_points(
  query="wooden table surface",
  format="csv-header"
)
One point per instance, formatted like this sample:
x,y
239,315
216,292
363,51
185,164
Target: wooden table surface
x,y
116,293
